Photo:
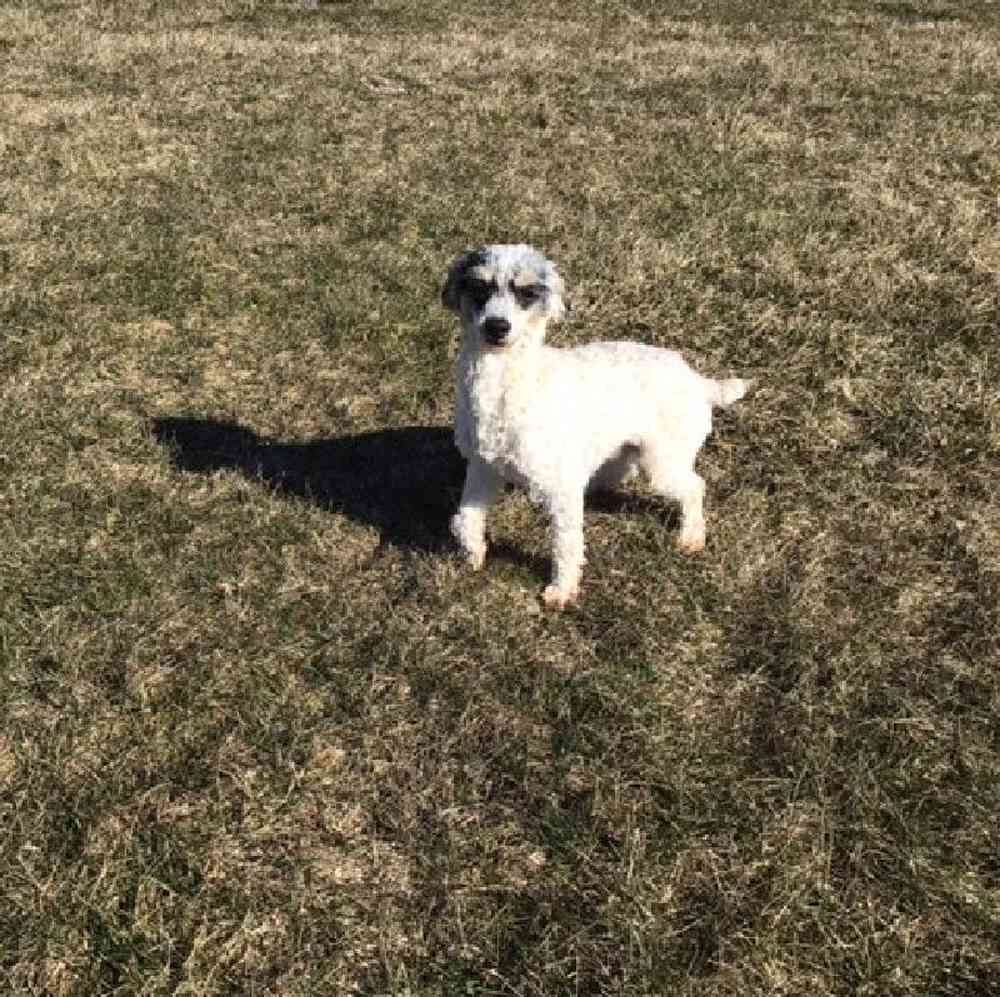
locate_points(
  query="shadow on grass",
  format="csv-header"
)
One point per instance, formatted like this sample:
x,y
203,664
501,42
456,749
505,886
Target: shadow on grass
x,y
405,482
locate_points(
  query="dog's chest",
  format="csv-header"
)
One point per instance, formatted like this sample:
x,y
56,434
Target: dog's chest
x,y
501,401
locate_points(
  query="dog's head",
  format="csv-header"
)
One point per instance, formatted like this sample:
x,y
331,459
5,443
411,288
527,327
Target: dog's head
x,y
505,295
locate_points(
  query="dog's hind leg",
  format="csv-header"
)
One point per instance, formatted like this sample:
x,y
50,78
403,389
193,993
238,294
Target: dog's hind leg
x,y
468,526
680,482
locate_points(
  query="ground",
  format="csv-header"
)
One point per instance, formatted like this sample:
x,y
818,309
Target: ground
x,y
263,733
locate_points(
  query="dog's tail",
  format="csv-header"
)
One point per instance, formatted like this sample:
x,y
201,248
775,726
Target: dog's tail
x,y
723,393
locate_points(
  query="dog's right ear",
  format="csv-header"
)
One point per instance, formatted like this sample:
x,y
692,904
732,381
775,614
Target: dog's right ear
x,y
451,293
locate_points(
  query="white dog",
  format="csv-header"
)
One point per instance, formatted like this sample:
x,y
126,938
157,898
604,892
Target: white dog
x,y
558,421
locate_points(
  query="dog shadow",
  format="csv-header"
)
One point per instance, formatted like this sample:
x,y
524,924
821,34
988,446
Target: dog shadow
x,y
405,482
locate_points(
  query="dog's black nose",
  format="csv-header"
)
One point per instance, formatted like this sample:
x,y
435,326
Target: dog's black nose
x,y
495,330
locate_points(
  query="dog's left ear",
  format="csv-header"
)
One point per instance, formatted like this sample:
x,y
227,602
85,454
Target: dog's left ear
x,y
558,305
451,293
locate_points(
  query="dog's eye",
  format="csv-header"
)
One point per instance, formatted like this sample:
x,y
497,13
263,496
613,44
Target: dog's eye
x,y
528,295
479,291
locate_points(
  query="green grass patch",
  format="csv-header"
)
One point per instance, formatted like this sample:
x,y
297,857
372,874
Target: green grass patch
x,y
262,733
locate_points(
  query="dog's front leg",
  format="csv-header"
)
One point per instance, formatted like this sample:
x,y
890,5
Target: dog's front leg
x,y
468,525
567,551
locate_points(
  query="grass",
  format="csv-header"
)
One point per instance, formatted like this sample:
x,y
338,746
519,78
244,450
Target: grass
x,y
262,733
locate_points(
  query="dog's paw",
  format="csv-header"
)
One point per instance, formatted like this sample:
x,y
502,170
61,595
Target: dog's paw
x,y
692,539
473,550
558,598
475,557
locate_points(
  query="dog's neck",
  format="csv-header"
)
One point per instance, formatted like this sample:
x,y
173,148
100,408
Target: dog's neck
x,y
499,387
504,376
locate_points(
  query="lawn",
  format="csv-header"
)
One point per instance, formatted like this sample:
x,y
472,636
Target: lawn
x,y
262,732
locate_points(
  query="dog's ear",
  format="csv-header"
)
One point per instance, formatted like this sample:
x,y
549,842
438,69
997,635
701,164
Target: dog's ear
x,y
558,306
451,293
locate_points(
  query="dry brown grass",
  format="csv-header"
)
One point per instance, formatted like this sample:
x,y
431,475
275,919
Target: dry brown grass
x,y
261,732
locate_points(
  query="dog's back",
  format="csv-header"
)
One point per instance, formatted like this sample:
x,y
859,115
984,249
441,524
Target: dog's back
x,y
666,367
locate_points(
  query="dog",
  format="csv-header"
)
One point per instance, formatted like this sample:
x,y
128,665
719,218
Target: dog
x,y
561,421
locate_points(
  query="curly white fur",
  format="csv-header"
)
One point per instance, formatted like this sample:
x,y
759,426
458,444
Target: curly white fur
x,y
557,421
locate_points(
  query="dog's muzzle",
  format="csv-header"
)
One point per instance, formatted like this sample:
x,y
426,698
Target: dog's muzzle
x,y
495,331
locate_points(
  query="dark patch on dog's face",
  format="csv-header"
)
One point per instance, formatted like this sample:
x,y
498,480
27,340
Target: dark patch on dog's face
x,y
528,294
478,289
456,283
527,286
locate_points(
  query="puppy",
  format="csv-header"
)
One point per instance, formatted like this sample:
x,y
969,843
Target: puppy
x,y
560,421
